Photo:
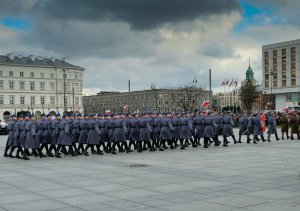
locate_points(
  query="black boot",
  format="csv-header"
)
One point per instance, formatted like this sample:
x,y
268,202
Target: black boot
x,y
5,151
233,137
276,135
25,155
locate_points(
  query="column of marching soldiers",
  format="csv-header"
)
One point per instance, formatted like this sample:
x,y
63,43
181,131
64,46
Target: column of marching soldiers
x,y
80,134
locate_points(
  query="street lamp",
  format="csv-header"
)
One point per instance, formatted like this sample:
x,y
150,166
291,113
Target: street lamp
x,y
271,77
64,76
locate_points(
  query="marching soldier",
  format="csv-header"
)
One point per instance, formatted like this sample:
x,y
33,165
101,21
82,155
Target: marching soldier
x,y
284,120
83,133
227,129
198,122
166,129
272,127
10,137
209,129
243,122
295,121
144,131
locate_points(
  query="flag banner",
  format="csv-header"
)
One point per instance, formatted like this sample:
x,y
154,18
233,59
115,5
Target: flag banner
x,y
205,104
107,112
263,121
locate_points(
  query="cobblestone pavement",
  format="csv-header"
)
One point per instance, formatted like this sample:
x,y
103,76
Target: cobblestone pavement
x,y
244,176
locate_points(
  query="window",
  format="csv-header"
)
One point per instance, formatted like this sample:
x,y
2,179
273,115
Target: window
x,y
288,97
266,53
275,76
11,100
32,100
22,85
76,87
80,87
283,52
266,69
52,100
283,67
1,100
283,75
11,85
283,83
266,84
293,66
32,75
43,100
275,84
51,75
283,59
76,101
22,100
42,75
266,61
293,50
293,82
32,85
274,60
1,84
274,52
52,85
11,73
275,68
42,85
76,77
1,72
293,74
293,58
21,74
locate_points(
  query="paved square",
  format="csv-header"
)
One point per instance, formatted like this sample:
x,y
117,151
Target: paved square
x,y
244,176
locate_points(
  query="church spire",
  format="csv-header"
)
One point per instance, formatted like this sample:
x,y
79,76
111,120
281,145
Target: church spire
x,y
249,73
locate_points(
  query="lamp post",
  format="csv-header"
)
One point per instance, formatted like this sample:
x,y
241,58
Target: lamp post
x,y
64,76
271,77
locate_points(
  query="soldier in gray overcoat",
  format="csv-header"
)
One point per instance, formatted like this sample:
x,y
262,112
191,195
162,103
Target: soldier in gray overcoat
x,y
243,122
198,124
272,127
186,129
10,137
93,135
133,131
64,136
175,121
144,131
250,128
120,134
156,132
219,130
103,131
209,129
43,135
74,124
227,129
32,141
166,130
16,140
82,127
257,129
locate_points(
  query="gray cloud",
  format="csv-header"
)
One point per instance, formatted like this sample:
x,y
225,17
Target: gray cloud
x,y
218,50
139,14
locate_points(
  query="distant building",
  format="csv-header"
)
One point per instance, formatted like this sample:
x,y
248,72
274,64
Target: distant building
x,y
281,82
154,100
36,84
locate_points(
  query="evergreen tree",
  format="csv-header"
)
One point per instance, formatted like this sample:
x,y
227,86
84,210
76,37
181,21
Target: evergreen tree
x,y
248,95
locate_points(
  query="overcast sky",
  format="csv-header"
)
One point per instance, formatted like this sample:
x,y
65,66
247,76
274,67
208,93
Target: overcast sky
x,y
167,43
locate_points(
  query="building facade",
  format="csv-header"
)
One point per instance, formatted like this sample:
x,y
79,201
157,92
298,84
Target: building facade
x,y
154,100
38,85
281,74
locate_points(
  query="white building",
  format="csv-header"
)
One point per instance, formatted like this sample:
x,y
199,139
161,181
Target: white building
x,y
281,74
36,84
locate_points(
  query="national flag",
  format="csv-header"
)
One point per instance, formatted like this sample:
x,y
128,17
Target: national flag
x,y
205,104
286,109
236,83
263,122
227,82
231,83
125,107
107,112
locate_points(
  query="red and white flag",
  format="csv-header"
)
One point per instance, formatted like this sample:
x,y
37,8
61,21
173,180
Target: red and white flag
x,y
107,112
205,104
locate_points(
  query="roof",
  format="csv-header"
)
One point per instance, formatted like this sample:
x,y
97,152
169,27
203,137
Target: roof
x,y
38,61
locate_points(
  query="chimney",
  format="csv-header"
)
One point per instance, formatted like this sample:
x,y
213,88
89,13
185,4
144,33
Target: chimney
x,y
32,57
52,59
10,56
65,59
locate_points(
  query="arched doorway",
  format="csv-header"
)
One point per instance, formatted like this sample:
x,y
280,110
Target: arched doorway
x,y
6,115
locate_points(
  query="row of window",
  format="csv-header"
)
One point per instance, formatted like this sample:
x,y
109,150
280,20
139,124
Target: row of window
x,y
283,67
32,74
32,86
32,100
283,52
283,83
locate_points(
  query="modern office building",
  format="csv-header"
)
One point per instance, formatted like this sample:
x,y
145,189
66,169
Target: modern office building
x,y
38,85
281,75
154,100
